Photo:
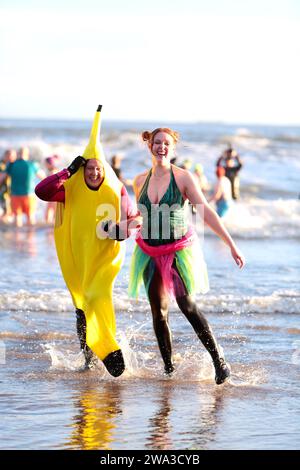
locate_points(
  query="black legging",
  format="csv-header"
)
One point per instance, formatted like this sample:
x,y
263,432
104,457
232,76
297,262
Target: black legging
x,y
81,333
159,302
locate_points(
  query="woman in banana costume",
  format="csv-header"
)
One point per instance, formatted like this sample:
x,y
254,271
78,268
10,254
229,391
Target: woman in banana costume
x,y
88,246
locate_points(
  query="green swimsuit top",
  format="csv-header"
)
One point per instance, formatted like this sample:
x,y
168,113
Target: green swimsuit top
x,y
166,221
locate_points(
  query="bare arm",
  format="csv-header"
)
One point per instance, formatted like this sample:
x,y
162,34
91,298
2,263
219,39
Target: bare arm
x,y
130,219
130,215
138,182
211,218
217,192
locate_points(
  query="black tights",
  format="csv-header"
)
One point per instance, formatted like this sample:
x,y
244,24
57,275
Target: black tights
x,y
159,302
81,332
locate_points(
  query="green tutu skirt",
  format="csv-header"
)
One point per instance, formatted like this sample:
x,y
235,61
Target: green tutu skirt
x,y
189,263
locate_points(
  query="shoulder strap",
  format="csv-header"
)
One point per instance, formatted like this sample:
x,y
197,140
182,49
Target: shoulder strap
x,y
145,185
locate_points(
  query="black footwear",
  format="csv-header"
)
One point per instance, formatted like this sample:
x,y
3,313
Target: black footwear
x,y
114,363
169,369
222,371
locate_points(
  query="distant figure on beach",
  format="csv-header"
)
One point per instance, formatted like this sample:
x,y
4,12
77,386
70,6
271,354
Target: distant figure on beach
x,y
230,160
23,173
51,163
187,164
116,166
222,193
167,257
5,188
92,217
201,178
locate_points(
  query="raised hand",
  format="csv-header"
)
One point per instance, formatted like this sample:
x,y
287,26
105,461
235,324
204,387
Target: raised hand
x,y
76,164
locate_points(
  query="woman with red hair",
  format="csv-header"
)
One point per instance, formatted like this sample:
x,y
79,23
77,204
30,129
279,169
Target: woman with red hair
x,y
167,256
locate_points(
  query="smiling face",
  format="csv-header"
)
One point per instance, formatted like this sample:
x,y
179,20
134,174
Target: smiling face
x,y
93,173
163,147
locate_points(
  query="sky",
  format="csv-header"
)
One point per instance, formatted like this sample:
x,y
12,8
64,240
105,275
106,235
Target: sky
x,y
164,60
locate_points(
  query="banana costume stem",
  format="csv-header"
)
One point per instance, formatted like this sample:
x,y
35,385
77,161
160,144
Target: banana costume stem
x,y
90,265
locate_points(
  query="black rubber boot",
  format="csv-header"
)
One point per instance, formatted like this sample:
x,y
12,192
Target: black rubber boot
x,y
114,363
169,368
90,358
222,371
204,332
164,343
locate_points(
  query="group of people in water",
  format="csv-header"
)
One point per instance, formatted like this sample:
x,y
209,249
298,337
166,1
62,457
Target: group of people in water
x,y
94,215
17,181
18,175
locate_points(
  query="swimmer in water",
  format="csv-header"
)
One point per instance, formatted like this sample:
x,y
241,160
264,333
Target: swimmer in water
x,y
222,193
231,161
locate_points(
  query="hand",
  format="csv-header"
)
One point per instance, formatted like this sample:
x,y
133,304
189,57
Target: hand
x,y
125,228
102,230
238,257
118,231
113,230
105,226
76,164
135,224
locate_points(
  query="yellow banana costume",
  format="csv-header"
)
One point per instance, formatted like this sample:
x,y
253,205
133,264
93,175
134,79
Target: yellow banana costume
x,y
89,264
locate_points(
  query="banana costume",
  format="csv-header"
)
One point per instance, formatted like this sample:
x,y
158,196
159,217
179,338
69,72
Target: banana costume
x,y
89,264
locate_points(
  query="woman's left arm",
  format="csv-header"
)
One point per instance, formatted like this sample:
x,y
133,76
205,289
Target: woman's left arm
x,y
211,218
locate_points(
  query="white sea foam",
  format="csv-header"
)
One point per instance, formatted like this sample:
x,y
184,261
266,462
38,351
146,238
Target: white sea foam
x,y
280,301
64,359
191,365
139,363
54,301
260,218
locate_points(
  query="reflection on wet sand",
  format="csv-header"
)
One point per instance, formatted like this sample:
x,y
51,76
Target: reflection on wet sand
x,y
93,425
201,426
207,417
100,411
22,240
160,427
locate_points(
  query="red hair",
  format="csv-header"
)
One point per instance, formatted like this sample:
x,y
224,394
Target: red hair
x,y
220,171
148,136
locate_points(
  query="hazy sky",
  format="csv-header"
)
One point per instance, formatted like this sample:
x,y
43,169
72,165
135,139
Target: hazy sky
x,y
173,60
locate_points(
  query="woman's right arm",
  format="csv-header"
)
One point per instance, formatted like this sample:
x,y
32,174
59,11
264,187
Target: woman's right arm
x,y
51,189
138,184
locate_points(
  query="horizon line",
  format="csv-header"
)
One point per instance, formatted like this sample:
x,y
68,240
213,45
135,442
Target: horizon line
x,y
200,121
